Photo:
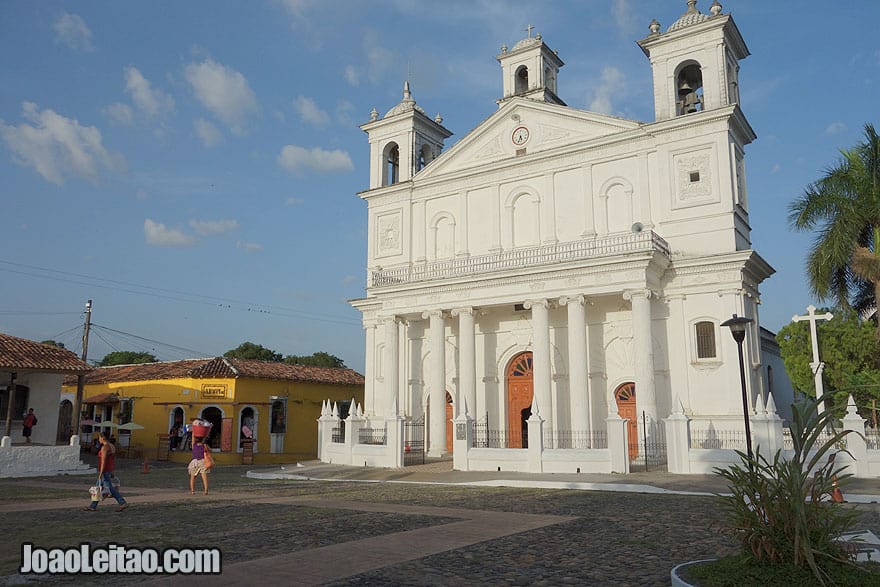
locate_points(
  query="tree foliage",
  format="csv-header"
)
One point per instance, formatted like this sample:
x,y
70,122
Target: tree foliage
x,y
251,351
50,342
851,355
126,358
843,207
319,359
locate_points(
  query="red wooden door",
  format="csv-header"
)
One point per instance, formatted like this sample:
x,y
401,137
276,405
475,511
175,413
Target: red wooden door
x,y
625,396
520,390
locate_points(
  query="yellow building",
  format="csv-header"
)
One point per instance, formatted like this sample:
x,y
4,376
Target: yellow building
x,y
272,407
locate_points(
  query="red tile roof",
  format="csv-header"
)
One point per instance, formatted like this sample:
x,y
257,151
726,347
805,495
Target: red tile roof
x,y
221,367
20,354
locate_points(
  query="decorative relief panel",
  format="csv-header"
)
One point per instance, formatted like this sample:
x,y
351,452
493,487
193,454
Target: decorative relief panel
x,y
693,177
388,232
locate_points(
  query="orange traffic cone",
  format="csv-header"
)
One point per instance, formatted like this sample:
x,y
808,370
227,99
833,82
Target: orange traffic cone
x,y
836,494
146,468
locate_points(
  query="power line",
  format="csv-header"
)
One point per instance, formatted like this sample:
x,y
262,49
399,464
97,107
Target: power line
x,y
176,295
141,338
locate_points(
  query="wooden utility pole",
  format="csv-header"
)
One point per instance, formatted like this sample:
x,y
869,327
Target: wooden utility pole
x,y
80,379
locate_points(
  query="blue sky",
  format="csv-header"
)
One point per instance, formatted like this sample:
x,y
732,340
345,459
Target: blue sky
x,y
193,167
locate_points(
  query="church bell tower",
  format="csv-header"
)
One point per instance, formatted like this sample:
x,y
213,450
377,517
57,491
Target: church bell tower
x,y
695,62
403,141
530,70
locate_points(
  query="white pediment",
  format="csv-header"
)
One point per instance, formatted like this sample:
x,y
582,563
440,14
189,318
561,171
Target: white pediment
x,y
546,127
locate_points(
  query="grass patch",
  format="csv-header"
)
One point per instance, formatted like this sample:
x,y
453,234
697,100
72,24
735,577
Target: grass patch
x,y
735,571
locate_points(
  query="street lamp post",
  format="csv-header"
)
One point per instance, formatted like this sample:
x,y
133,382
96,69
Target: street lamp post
x,y
737,326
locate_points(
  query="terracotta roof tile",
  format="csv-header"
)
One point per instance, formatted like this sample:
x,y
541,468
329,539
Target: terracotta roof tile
x,y
221,367
27,355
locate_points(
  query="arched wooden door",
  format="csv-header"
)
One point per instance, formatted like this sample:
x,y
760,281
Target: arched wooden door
x,y
520,390
625,396
449,417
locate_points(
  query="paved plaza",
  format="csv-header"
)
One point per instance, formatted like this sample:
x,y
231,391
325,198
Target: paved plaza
x,y
317,524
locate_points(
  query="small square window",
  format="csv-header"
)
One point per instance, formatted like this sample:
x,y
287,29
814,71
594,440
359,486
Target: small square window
x,y
695,176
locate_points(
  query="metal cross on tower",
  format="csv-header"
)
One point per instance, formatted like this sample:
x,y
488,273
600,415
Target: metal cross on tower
x,y
817,366
529,30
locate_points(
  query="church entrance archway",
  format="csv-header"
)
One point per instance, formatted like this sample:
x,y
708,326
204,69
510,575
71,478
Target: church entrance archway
x,y
625,396
520,390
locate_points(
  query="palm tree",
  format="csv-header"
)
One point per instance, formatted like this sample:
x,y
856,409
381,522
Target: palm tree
x,y
844,206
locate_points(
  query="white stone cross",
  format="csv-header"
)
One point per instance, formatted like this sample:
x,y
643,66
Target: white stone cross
x,y
529,30
817,366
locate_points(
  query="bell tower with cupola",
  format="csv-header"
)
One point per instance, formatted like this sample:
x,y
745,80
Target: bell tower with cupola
x,y
695,62
530,70
403,141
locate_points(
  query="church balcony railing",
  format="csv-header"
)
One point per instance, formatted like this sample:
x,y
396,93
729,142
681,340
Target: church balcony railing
x,y
639,242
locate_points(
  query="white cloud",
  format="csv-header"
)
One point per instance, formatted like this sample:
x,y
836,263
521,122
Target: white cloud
x,y
249,247
120,113
160,235
292,201
611,84
295,159
223,91
71,30
351,75
309,112
344,110
297,8
835,128
209,134
624,16
152,102
142,194
213,227
349,279
56,146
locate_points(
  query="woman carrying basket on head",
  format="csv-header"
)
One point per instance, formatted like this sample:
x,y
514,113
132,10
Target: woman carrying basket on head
x,y
201,464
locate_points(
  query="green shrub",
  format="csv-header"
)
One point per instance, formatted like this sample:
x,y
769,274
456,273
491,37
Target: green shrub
x,y
781,510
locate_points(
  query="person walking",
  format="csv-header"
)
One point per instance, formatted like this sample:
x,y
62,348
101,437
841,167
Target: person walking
x,y
106,466
30,420
201,464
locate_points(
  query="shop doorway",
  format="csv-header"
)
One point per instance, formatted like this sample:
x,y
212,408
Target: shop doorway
x,y
215,417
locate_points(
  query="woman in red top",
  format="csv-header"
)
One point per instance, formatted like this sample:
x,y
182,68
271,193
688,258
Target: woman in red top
x,y
106,465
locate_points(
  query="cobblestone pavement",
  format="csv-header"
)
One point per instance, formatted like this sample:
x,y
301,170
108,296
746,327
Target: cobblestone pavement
x,y
339,532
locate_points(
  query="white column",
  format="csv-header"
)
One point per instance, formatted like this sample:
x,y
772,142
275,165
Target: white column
x,y
392,364
578,387
643,349
467,375
370,405
541,358
437,383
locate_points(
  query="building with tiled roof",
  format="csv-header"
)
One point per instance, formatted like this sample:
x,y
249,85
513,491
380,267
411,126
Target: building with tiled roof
x,y
32,373
275,405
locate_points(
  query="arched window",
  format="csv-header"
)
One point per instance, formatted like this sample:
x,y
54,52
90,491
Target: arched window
x,y
521,80
425,156
689,86
392,164
705,334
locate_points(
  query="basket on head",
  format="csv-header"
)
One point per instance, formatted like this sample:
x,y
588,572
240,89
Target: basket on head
x,y
200,430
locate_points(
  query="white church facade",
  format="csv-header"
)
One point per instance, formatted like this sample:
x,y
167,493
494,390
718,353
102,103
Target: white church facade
x,y
565,267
